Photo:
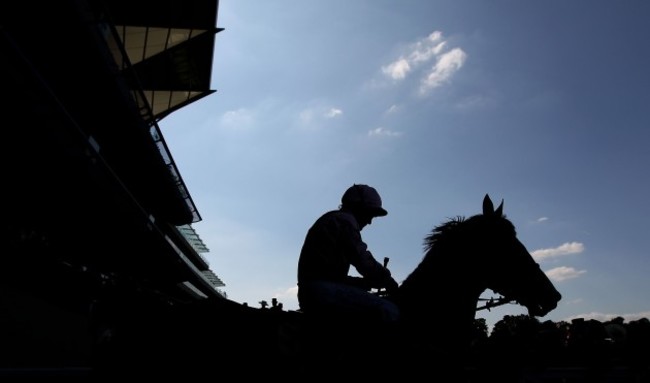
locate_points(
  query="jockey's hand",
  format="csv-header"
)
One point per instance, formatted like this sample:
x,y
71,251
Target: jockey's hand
x,y
391,286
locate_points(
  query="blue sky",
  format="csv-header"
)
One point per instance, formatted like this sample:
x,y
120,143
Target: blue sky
x,y
544,104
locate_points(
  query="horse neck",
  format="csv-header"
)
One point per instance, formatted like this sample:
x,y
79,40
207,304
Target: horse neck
x,y
441,295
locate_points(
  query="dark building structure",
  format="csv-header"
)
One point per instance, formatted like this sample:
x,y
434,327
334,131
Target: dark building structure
x,y
96,215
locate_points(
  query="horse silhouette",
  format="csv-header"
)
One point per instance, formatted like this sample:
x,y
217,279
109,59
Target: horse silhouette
x,y
438,302
464,258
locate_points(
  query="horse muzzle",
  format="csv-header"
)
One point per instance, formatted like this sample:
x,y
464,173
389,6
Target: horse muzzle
x,y
540,309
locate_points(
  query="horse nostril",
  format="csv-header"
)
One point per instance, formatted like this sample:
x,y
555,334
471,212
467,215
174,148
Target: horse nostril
x,y
539,310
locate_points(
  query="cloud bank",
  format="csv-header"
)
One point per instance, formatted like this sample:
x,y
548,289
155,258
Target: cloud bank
x,y
446,62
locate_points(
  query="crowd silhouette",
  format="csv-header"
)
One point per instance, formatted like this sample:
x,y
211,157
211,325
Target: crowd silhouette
x,y
522,348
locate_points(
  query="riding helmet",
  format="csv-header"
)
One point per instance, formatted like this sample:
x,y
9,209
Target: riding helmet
x,y
359,196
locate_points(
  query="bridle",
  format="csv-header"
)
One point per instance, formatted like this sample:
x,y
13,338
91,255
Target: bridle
x,y
490,302
493,302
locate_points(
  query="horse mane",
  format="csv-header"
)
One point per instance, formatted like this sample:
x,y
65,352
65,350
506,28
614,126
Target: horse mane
x,y
440,232
416,286
453,226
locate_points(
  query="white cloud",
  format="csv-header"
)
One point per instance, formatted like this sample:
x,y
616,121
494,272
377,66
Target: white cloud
x,y
313,116
448,64
237,119
564,249
397,70
393,109
542,219
433,47
563,273
435,36
333,112
306,116
602,317
425,54
384,132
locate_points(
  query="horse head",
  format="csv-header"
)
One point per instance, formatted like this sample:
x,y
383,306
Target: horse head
x,y
513,271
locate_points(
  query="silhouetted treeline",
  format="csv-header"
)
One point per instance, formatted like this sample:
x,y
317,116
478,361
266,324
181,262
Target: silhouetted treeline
x,y
614,349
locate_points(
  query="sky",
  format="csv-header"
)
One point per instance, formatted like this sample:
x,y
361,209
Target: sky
x,y
542,104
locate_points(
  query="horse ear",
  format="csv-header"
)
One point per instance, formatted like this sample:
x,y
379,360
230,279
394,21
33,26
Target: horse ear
x,y
499,211
488,207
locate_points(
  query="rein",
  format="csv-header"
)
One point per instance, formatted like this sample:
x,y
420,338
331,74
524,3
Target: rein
x,y
490,302
493,302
